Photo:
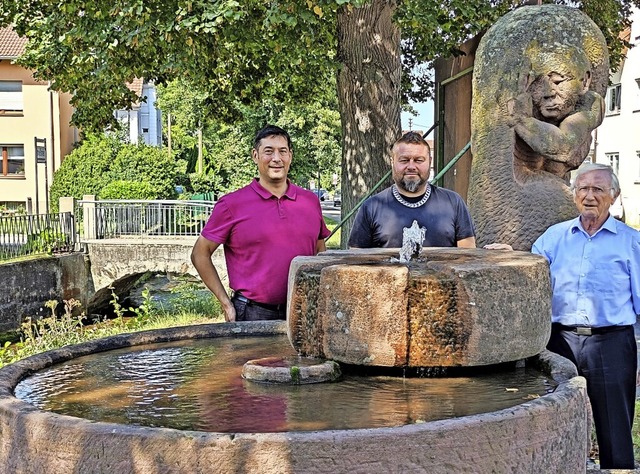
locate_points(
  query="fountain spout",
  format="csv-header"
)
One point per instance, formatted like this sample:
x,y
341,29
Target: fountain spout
x,y
412,238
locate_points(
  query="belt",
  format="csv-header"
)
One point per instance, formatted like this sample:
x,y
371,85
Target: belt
x,y
590,330
271,307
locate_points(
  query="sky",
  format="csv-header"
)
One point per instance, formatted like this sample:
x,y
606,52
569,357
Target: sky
x,y
423,121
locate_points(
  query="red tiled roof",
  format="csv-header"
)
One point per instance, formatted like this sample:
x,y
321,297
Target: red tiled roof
x,y
11,45
136,86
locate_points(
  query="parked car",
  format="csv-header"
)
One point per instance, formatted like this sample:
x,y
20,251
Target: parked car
x,y
322,194
337,199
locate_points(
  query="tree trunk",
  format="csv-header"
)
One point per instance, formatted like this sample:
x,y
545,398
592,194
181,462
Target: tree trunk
x,y
369,93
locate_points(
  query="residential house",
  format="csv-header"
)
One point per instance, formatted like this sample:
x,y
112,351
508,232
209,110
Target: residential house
x,y
143,120
617,140
29,112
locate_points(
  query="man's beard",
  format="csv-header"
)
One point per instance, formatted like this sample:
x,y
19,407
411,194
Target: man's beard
x,y
410,185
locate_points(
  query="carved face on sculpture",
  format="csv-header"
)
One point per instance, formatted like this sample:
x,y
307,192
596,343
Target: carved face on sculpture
x,y
562,78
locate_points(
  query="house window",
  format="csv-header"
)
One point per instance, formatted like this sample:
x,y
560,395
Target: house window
x,y
614,161
12,160
613,99
10,97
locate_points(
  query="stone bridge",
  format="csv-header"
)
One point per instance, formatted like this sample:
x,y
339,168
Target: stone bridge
x,y
87,277
118,263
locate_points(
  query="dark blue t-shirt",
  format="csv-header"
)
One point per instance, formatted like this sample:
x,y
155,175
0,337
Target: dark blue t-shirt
x,y
381,218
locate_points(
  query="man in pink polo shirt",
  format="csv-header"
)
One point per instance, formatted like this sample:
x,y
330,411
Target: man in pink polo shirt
x,y
262,227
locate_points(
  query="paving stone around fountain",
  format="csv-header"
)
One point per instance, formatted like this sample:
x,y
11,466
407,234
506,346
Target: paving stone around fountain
x,y
547,434
450,307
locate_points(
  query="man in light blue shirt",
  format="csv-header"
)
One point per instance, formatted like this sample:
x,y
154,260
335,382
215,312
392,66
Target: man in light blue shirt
x,y
595,276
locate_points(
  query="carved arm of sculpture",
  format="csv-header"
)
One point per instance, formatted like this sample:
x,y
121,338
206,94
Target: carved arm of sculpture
x,y
557,143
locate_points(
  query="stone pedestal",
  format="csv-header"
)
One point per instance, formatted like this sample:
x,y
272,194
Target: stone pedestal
x,y
449,307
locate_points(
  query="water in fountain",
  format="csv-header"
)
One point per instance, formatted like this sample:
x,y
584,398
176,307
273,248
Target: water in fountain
x,y
197,385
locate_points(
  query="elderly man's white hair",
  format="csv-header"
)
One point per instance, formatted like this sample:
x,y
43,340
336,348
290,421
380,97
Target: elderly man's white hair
x,y
587,166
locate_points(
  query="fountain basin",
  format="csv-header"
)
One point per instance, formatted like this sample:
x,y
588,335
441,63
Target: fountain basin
x,y
449,307
548,434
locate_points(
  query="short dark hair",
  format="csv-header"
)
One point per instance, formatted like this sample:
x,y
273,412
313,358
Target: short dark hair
x,y
412,138
269,131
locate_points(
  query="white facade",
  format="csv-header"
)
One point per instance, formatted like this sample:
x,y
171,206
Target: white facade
x,y
617,140
143,121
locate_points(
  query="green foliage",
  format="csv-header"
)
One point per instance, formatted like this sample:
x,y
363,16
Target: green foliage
x,y
294,371
244,49
203,183
55,331
436,29
249,51
193,299
84,170
128,190
334,241
45,241
11,352
52,332
148,164
103,166
144,312
314,126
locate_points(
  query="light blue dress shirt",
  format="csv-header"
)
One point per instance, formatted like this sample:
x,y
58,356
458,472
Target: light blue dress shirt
x,y
595,279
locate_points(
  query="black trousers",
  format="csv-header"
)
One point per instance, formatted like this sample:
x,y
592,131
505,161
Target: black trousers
x,y
246,311
608,362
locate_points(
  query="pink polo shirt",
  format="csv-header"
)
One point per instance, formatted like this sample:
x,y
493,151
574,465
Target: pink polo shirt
x,y
261,234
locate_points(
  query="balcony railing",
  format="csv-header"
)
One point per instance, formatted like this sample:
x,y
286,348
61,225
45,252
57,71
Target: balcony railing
x,y
136,218
22,235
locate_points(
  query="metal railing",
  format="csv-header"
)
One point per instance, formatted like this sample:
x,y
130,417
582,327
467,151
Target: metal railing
x,y
137,218
36,234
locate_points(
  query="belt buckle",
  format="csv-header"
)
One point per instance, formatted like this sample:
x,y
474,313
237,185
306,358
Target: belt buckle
x,y
583,331
241,297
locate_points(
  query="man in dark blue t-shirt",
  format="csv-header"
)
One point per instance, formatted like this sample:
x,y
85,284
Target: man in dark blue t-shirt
x,y
382,217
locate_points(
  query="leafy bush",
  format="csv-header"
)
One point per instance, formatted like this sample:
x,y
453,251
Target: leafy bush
x,y
146,163
128,190
45,241
84,170
205,183
101,160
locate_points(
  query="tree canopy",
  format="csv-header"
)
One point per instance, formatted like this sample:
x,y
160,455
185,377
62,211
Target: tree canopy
x,y
314,127
249,50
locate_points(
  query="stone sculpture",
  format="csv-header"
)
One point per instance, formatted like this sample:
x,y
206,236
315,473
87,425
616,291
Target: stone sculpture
x,y
539,77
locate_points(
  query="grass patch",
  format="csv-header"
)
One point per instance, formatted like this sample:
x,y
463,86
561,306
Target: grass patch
x,y
53,332
334,241
636,433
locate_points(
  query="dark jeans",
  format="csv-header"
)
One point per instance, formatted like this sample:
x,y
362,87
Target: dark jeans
x,y
246,311
608,362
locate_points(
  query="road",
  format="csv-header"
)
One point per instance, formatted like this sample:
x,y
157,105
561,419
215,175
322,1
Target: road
x,y
330,211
